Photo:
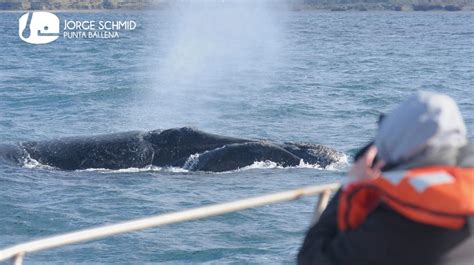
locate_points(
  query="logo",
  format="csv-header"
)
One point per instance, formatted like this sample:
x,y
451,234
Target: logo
x,y
38,27
42,27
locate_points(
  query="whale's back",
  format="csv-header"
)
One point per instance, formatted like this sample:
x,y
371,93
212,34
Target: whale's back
x,y
111,151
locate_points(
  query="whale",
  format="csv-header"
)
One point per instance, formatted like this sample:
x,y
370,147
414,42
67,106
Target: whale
x,y
187,148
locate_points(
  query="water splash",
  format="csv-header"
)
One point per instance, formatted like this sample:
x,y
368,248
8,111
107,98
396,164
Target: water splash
x,y
340,165
31,163
149,168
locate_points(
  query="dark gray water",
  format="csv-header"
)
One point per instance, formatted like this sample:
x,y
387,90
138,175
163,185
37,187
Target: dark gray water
x,y
247,71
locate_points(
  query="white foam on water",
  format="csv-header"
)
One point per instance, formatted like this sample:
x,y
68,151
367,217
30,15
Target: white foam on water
x,y
149,168
341,164
262,165
29,162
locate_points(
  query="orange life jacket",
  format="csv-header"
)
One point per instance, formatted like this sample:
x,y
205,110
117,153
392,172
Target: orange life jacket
x,y
436,195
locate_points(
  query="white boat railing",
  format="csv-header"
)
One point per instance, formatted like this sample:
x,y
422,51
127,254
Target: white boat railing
x,y
17,252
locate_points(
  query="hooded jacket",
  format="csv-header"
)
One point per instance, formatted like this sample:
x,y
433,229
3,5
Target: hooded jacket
x,y
425,130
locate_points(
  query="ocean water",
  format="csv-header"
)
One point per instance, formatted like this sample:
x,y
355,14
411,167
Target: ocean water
x,y
243,70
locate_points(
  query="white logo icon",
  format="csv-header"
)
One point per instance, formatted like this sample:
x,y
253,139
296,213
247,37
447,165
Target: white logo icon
x,y
38,27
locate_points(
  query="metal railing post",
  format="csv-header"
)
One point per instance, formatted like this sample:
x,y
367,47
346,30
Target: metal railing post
x,y
323,200
18,259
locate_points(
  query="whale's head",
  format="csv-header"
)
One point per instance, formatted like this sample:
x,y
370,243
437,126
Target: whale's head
x,y
315,154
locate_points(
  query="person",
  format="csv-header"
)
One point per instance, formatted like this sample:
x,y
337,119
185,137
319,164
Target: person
x,y
410,194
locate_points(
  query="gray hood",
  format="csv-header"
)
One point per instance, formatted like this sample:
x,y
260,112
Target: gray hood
x,y
425,129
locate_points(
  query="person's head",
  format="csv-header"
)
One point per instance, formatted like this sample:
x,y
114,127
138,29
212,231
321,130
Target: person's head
x,y
420,128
